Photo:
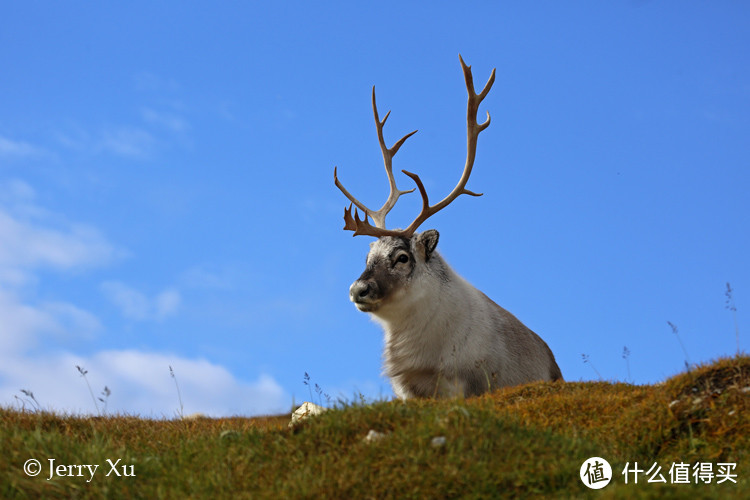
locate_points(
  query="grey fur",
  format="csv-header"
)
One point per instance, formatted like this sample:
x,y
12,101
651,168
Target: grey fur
x,y
443,337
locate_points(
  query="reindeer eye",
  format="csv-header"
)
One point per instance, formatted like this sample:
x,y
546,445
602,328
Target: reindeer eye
x,y
403,258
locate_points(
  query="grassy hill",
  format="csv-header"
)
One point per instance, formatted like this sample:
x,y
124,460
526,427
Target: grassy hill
x,y
527,441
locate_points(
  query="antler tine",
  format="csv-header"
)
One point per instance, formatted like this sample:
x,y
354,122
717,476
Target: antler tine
x,y
378,217
388,154
473,130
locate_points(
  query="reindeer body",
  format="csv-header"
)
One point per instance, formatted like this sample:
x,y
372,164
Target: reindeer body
x,y
443,337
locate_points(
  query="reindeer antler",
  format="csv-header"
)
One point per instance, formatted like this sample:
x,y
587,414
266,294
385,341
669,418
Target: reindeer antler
x,y
472,134
378,217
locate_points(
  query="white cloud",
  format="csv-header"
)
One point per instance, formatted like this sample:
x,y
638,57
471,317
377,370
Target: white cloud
x,y
128,141
29,244
140,383
21,324
33,331
205,387
31,238
137,306
164,119
14,278
167,303
33,244
25,325
132,303
70,318
9,147
203,278
16,191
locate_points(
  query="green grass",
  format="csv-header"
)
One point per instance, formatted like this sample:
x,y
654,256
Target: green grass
x,y
528,441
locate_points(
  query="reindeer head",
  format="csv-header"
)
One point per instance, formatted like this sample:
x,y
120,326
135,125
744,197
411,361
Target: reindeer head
x,y
395,258
393,264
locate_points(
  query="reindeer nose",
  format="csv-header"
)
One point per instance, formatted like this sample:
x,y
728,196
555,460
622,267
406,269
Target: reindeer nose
x,y
358,291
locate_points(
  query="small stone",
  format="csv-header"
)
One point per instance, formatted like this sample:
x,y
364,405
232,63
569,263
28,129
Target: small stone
x,y
374,435
438,442
306,410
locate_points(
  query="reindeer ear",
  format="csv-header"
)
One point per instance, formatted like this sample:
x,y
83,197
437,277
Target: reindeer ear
x,y
427,241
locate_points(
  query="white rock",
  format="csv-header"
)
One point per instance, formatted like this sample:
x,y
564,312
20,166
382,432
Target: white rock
x,y
438,441
374,435
306,410
194,416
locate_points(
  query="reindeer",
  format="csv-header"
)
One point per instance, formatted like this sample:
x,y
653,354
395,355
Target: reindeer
x,y
443,337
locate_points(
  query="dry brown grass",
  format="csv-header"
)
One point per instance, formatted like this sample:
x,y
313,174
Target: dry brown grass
x,y
525,441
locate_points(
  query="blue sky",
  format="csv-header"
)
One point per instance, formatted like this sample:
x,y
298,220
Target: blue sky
x,y
167,196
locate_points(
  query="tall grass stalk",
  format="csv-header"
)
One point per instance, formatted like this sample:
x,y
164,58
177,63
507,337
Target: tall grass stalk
x,y
30,398
104,398
83,373
587,360
306,381
318,391
179,394
730,305
677,334
625,356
